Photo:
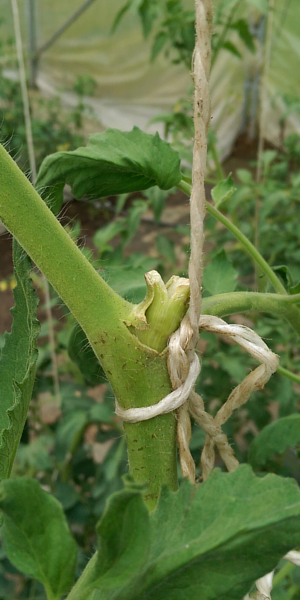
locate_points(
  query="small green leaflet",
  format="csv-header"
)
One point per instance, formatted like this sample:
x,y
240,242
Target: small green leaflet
x,y
223,190
123,537
166,248
231,48
275,438
17,364
295,289
82,354
127,281
244,176
123,541
104,235
113,162
242,27
211,542
160,41
285,275
36,536
219,275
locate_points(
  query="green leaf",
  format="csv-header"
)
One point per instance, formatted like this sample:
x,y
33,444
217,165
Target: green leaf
x,y
160,41
275,438
17,364
127,282
212,542
123,538
123,542
82,354
232,49
295,289
148,11
219,276
107,233
119,16
66,494
268,157
70,430
242,27
102,413
120,202
113,162
223,190
36,536
133,219
166,248
36,454
157,200
244,176
285,275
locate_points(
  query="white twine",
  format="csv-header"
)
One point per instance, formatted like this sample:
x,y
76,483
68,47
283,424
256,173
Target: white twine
x,y
264,585
200,73
183,375
183,363
171,402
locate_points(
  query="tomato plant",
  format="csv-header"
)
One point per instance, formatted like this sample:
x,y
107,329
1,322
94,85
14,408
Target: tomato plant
x,y
155,541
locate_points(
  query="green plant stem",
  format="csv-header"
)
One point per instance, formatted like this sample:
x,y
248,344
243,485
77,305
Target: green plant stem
x,y
224,32
84,585
222,305
246,244
289,374
137,373
249,248
238,302
219,168
66,467
293,314
284,572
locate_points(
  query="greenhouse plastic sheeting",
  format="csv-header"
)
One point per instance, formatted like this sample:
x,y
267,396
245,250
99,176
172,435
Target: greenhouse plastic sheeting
x,y
130,90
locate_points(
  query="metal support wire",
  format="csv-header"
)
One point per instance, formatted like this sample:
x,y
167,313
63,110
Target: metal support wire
x,y
35,56
64,27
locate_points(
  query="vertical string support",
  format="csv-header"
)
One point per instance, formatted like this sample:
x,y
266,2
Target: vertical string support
x,y
263,90
32,163
262,125
24,91
200,73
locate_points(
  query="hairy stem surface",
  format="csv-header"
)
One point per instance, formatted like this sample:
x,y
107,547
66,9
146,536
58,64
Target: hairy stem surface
x,y
137,373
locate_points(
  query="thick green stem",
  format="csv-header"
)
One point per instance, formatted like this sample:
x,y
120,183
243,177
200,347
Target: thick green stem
x,y
138,373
